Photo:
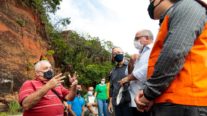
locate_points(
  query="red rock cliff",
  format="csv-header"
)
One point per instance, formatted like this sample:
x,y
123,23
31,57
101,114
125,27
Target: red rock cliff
x,y
22,42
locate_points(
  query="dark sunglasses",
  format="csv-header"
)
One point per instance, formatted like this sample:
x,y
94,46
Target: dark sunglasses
x,y
137,38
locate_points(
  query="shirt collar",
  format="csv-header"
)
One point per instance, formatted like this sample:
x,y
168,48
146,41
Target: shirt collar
x,y
149,46
42,81
124,64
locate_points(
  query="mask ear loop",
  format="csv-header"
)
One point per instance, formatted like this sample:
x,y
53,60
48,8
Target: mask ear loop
x,y
157,4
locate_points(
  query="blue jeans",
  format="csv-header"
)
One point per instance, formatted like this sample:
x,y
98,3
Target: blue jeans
x,y
102,107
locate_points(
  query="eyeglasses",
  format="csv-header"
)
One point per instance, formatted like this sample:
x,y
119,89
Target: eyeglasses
x,y
137,38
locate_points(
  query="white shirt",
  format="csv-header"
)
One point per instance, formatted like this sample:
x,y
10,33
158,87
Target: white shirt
x,y
91,99
140,73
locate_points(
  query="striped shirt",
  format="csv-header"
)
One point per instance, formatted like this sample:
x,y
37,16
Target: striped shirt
x,y
49,105
187,20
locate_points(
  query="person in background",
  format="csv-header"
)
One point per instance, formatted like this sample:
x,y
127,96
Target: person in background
x,y
37,96
108,90
76,106
132,60
177,67
116,75
91,103
143,41
101,95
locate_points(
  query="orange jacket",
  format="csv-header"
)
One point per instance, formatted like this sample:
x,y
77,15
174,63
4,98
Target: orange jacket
x,y
190,85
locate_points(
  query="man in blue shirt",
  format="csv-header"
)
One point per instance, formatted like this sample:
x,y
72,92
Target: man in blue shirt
x,y
76,107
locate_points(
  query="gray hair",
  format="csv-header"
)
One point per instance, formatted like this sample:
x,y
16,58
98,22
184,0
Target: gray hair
x,y
115,47
40,63
147,33
118,48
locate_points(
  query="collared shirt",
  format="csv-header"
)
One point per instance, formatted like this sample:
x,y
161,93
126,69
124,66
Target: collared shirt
x,y
140,73
49,105
186,22
116,75
77,105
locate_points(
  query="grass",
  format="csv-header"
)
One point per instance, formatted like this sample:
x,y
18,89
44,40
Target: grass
x,y
3,114
8,114
14,107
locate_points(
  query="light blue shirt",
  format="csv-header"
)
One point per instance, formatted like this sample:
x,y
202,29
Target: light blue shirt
x,y
77,105
140,73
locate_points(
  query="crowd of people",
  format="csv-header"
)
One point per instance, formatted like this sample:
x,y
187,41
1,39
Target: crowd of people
x,y
167,76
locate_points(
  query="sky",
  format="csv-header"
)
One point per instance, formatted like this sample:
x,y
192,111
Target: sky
x,y
110,20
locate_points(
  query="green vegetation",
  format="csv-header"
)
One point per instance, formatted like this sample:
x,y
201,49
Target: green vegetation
x,y
86,55
29,66
14,107
50,52
21,22
3,114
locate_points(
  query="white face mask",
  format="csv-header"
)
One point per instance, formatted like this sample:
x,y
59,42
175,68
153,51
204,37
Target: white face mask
x,y
138,45
90,93
102,82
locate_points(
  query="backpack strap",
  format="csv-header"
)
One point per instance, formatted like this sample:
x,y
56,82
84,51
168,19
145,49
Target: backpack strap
x,y
60,97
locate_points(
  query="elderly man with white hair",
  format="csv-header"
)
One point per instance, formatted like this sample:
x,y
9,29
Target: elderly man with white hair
x,y
143,41
43,95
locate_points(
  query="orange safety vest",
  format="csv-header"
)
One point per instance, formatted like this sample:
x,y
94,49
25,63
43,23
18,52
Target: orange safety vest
x,y
189,87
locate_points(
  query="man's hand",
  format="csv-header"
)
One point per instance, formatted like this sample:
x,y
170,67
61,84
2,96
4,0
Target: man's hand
x,y
124,80
110,107
73,80
127,79
55,81
143,104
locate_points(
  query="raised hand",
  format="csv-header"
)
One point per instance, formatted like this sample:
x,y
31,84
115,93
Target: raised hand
x,y
73,80
55,81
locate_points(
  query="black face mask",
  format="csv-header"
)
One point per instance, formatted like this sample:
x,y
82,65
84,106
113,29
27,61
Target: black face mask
x,y
78,92
119,57
48,75
151,8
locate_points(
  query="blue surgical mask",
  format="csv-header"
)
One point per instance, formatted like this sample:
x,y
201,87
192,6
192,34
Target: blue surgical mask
x,y
119,57
48,74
